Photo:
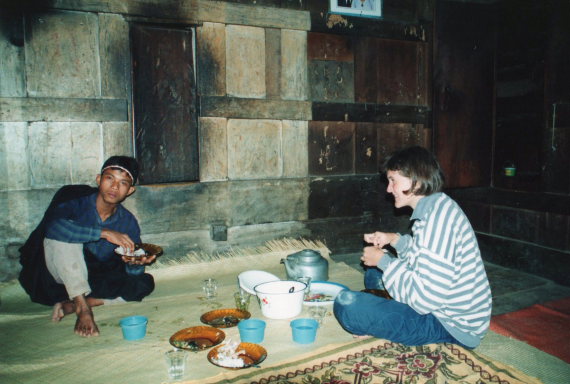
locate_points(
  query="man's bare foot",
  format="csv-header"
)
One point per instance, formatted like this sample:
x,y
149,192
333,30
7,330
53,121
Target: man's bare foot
x,y
57,313
85,324
62,309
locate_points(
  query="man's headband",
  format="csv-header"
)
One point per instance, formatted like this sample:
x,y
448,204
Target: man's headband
x,y
121,168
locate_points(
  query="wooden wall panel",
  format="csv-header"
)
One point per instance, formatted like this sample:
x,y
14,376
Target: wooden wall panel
x,y
255,108
12,62
62,55
463,118
211,59
331,81
387,72
114,54
245,61
273,63
323,46
195,12
393,137
164,101
62,109
294,78
366,148
331,148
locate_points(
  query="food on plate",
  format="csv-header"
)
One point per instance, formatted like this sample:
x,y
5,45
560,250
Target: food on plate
x,y
229,356
318,297
195,344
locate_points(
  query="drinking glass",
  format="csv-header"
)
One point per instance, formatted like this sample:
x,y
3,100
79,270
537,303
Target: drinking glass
x,y
318,313
210,288
176,363
306,280
242,300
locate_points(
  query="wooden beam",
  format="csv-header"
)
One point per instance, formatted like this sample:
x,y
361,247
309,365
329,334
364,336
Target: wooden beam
x,y
361,26
255,108
195,12
59,109
376,113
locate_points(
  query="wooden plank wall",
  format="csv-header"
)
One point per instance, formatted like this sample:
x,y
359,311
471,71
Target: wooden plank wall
x,y
307,105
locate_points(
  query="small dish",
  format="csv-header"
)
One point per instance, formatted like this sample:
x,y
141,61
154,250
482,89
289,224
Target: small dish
x,y
147,250
323,293
253,355
249,279
224,318
197,338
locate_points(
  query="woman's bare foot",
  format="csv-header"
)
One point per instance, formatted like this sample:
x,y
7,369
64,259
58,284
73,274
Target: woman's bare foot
x,y
360,337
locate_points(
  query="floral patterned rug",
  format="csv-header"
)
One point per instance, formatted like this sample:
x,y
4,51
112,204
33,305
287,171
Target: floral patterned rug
x,y
379,361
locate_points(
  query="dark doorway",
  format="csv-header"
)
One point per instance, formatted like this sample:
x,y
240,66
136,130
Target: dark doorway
x,y
464,92
164,103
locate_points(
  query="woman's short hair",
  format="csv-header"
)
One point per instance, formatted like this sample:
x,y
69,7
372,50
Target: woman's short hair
x,y
421,166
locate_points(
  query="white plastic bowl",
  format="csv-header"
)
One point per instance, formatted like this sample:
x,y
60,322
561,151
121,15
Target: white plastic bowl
x,y
276,300
249,279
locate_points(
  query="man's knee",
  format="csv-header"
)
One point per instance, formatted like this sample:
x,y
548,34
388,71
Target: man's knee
x,y
139,286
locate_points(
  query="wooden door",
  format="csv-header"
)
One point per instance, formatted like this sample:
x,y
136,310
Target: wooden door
x,y
164,103
464,92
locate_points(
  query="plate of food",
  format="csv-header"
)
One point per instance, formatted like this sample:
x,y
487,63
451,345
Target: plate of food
x,y
224,318
234,355
143,249
323,292
197,338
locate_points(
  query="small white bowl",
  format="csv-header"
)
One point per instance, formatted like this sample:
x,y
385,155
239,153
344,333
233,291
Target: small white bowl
x,y
249,279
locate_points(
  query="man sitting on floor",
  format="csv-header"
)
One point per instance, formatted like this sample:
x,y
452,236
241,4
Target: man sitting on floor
x,y
69,260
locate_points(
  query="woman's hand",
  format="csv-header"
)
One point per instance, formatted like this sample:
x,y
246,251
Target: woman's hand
x,y
380,239
372,256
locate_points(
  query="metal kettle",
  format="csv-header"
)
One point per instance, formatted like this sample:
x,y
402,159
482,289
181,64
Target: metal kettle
x,y
306,263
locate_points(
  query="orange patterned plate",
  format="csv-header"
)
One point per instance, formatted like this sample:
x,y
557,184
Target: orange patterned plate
x,y
224,318
197,338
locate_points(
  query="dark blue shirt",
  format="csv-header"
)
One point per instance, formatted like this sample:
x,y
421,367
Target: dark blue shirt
x,y
77,221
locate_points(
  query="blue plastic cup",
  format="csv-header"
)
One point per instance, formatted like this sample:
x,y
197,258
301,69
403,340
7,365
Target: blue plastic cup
x,y
251,330
304,330
133,327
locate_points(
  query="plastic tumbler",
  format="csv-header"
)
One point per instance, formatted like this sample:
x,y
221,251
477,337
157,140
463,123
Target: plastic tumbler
x,y
133,327
251,330
304,330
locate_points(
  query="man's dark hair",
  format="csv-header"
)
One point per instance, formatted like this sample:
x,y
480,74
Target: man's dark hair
x,y
124,163
421,166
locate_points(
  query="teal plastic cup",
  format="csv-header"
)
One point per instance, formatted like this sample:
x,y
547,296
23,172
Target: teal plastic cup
x,y
251,330
304,330
133,327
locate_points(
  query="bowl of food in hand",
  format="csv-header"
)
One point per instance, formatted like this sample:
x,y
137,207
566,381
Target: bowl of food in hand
x,y
141,250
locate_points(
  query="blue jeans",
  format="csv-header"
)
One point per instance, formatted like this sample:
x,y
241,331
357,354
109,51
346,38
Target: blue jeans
x,y
362,313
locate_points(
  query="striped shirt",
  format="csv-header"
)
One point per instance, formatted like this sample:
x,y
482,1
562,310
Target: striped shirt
x,y
77,221
439,270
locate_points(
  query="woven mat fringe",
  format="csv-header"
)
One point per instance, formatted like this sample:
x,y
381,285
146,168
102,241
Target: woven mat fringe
x,y
273,251
272,246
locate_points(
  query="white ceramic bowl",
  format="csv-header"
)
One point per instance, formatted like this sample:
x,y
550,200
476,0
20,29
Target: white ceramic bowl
x,y
249,279
323,293
281,299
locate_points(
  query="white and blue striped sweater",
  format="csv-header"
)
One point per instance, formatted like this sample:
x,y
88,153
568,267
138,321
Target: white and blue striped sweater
x,y
439,270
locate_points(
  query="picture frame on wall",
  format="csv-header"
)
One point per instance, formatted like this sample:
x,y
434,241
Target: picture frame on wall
x,y
362,8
